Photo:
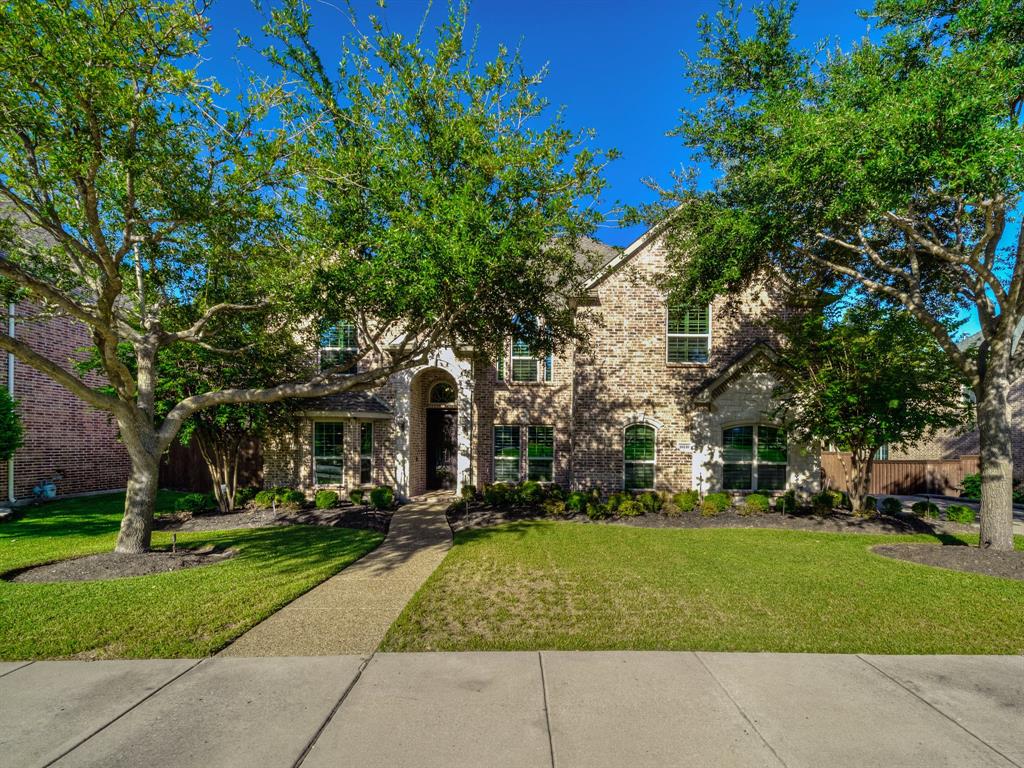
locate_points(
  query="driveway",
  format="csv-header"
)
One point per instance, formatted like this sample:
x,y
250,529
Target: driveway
x,y
548,709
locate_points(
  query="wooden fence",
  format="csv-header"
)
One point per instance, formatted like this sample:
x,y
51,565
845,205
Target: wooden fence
x,y
904,476
183,469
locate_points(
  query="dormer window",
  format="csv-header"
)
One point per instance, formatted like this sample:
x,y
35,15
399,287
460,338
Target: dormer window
x,y
689,334
338,345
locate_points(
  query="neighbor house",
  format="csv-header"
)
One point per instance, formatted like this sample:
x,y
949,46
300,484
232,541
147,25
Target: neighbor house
x,y
662,397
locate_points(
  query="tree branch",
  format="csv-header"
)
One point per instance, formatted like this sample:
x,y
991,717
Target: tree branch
x,y
49,368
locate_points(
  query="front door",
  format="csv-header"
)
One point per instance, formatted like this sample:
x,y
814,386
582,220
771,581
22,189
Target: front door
x,y
442,448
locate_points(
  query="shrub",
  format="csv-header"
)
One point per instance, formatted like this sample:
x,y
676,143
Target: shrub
x,y
891,506
824,502
669,509
264,498
554,507
356,496
650,501
715,504
531,492
971,489
325,499
195,503
616,499
959,513
468,492
497,494
630,508
925,509
577,501
292,497
554,491
382,497
244,495
1018,495
870,505
686,501
786,503
755,504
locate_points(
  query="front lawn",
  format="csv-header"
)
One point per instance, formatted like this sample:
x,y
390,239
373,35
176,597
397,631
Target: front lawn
x,y
192,612
549,585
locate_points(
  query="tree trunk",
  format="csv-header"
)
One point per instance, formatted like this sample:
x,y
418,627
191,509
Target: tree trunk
x,y
139,506
994,429
859,480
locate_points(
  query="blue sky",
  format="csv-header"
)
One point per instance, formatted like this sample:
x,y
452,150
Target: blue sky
x,y
615,65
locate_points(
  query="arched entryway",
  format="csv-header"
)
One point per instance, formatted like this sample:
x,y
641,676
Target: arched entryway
x,y
434,431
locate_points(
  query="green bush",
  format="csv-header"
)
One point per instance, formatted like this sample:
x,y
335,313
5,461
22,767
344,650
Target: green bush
x,y
959,513
264,499
244,495
596,510
925,509
531,492
786,503
686,501
382,497
292,497
971,488
1018,495
715,504
356,496
554,507
616,499
498,494
554,491
630,508
195,503
755,504
891,506
325,499
11,431
577,501
824,502
870,505
650,501
468,492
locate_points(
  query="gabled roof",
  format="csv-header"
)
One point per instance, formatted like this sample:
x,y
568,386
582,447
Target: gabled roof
x,y
712,388
621,257
362,404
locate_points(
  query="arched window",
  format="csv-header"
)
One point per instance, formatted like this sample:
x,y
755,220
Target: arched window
x,y
638,457
753,458
441,393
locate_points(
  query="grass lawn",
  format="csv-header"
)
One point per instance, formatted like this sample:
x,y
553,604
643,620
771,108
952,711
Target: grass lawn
x,y
549,585
193,612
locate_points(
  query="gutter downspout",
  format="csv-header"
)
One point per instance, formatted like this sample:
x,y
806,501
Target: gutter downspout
x,y
10,391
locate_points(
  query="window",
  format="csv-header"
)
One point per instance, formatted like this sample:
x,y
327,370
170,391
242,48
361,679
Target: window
x,y
338,345
527,367
500,362
540,453
441,393
754,458
638,453
882,454
366,452
328,452
689,334
506,454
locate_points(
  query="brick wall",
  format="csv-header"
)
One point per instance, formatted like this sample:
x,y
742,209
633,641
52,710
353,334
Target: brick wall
x,y
65,440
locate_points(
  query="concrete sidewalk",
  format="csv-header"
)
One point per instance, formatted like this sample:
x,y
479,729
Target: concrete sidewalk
x,y
548,709
349,613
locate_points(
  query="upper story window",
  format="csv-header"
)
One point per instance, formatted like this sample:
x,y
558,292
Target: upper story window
x,y
339,345
754,458
639,457
526,366
689,334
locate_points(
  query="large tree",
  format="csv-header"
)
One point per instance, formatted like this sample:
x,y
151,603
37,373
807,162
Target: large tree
x,y
419,193
863,376
892,170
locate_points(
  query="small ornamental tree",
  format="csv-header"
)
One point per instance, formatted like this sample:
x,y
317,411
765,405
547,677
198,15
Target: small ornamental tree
x,y
862,377
419,192
894,169
10,426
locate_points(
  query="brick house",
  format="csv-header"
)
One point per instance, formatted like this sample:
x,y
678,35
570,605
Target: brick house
x,y
661,397
66,442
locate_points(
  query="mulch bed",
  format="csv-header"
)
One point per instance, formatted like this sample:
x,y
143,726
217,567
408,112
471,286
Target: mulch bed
x,y
340,517
1006,565
111,565
837,522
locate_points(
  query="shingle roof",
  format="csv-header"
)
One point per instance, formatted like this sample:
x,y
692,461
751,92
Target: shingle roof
x,y
351,402
975,338
593,255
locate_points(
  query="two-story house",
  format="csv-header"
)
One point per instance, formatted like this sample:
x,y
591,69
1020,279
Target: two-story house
x,y
663,397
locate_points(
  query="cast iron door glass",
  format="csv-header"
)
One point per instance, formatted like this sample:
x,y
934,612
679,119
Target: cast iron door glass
x,y
442,446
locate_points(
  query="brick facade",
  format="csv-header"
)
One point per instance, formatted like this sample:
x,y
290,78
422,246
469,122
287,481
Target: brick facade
x,y
65,440
620,377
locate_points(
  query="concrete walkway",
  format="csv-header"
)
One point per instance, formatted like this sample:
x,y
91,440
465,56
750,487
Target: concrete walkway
x,y
349,613
522,710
